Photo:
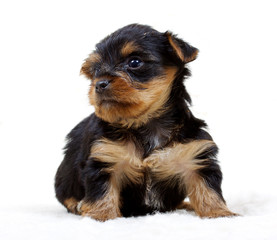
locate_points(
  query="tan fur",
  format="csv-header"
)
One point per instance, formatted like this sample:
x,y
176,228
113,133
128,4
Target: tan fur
x,y
204,200
178,159
128,48
71,205
179,51
133,104
104,209
192,57
126,160
85,70
185,205
176,48
128,165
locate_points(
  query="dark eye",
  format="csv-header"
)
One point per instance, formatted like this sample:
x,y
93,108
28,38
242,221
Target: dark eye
x,y
135,63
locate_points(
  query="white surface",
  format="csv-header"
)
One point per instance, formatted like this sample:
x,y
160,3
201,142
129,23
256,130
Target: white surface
x,y
233,87
259,221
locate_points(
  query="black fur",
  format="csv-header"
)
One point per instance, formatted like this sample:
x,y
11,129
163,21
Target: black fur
x,y
80,176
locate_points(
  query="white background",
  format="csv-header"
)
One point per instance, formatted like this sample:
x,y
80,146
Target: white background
x,y
42,96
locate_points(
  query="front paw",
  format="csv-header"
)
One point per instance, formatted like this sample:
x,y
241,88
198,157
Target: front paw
x,y
217,213
98,211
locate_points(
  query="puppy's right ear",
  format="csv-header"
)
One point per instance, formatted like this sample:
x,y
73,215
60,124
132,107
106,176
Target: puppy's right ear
x,y
87,68
185,52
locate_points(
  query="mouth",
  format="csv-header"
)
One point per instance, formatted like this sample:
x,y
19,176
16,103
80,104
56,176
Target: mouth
x,y
107,99
108,102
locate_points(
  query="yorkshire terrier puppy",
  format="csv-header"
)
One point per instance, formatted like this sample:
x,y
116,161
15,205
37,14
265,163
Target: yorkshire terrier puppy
x,y
142,151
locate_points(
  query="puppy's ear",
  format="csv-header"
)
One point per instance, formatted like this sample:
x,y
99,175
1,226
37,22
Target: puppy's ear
x,y
87,68
185,52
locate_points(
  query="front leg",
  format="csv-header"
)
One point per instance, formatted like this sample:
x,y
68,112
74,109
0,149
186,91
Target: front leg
x,y
103,209
101,201
194,168
205,200
110,167
204,186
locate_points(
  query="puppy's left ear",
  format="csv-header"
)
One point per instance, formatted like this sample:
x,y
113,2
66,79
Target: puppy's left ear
x,y
185,52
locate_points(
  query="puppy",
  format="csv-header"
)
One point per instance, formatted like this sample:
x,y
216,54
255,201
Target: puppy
x,y
142,151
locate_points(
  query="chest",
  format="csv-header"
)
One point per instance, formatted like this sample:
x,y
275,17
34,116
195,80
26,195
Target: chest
x,y
157,176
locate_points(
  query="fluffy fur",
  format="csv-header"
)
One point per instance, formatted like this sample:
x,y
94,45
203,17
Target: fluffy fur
x,y
142,150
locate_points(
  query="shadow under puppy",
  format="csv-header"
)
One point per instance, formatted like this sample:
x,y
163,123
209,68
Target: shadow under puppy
x,y
142,150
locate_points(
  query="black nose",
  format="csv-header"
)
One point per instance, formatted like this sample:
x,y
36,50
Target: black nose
x,y
101,86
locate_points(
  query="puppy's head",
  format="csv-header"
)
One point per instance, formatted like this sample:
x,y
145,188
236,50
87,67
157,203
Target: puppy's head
x,y
132,72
